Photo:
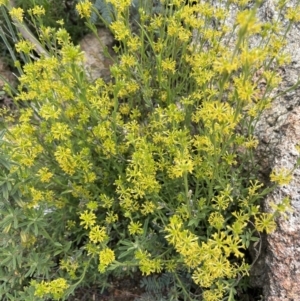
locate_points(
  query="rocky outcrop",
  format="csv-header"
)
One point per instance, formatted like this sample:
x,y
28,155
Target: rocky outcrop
x,y
282,256
278,269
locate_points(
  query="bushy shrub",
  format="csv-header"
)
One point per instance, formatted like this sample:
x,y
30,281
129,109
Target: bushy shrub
x,y
153,170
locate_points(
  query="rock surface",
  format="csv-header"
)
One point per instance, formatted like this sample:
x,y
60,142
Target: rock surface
x,y
96,63
278,269
282,258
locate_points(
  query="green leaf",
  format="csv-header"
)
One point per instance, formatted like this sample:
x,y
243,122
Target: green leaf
x,y
2,133
123,254
5,192
31,271
66,192
194,221
4,162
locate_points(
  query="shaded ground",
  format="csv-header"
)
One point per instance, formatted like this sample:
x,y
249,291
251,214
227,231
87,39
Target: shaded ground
x,y
129,289
120,290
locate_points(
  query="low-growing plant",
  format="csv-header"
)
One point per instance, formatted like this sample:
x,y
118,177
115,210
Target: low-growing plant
x,y
153,170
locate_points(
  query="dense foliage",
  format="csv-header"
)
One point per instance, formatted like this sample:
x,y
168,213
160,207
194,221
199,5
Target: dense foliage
x,y
151,171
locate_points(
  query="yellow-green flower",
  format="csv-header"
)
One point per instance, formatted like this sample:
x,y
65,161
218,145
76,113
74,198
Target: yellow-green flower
x,y
149,266
120,30
248,22
111,217
17,14
168,65
213,295
24,46
98,234
70,224
92,205
281,176
106,257
71,54
134,43
170,266
148,207
62,36
293,14
128,60
106,201
55,287
265,221
45,175
84,9
120,5
37,10
88,219
58,287
65,160
181,166
135,228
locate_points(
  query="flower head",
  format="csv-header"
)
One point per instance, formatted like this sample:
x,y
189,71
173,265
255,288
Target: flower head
x,y
88,219
37,10
17,14
281,177
98,234
106,257
84,9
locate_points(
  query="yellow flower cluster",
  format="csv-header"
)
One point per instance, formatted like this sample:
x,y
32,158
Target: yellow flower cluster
x,y
84,9
88,219
120,30
24,46
120,5
281,176
70,265
210,260
54,288
17,14
97,234
248,22
146,264
293,14
26,150
218,117
106,257
37,10
135,228
45,175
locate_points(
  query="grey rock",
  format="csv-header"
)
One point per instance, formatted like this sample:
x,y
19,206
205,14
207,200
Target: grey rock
x,y
279,265
97,64
278,269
